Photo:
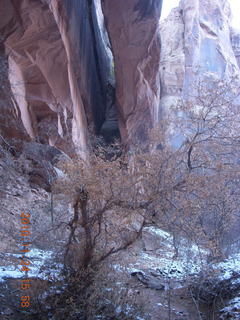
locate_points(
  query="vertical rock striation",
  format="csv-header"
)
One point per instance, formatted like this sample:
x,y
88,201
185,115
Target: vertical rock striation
x,y
61,67
197,43
235,39
133,28
58,68
172,64
207,40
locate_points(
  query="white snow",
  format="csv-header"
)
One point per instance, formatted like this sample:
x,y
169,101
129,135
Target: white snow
x,y
232,309
118,309
159,304
172,268
190,260
118,267
59,172
226,269
40,267
228,266
159,232
9,272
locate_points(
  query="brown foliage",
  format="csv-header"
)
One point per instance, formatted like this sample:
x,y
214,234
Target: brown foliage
x,y
190,190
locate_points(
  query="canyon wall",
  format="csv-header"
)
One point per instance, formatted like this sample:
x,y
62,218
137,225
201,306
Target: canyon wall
x,y
58,69
133,28
235,39
65,58
61,70
197,43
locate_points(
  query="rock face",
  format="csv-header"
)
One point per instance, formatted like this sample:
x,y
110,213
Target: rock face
x,y
235,38
58,68
172,68
134,35
62,74
196,43
11,125
61,69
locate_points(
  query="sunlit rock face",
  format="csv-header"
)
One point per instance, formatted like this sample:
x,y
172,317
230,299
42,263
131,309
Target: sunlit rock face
x,y
196,43
207,40
172,64
58,68
61,67
235,38
11,125
133,27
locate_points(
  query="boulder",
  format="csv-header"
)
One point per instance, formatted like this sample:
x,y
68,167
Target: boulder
x,y
149,280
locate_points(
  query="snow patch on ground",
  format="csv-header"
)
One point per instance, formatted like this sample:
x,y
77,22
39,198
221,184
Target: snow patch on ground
x,y
41,266
167,266
190,260
226,269
159,232
232,311
228,266
59,173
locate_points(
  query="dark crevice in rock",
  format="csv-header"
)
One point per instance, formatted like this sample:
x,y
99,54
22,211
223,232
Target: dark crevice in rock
x,y
109,129
91,12
93,53
147,8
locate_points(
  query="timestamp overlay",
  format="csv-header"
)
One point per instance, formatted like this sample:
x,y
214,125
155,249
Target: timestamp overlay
x,y
27,272
25,263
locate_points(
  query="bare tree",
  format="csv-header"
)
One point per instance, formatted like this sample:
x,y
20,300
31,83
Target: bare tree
x,y
190,191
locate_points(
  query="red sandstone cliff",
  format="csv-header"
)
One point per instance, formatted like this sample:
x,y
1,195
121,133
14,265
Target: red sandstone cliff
x,y
133,28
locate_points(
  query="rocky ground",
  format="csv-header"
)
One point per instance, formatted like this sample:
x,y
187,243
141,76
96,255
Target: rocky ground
x,y
149,280
139,283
